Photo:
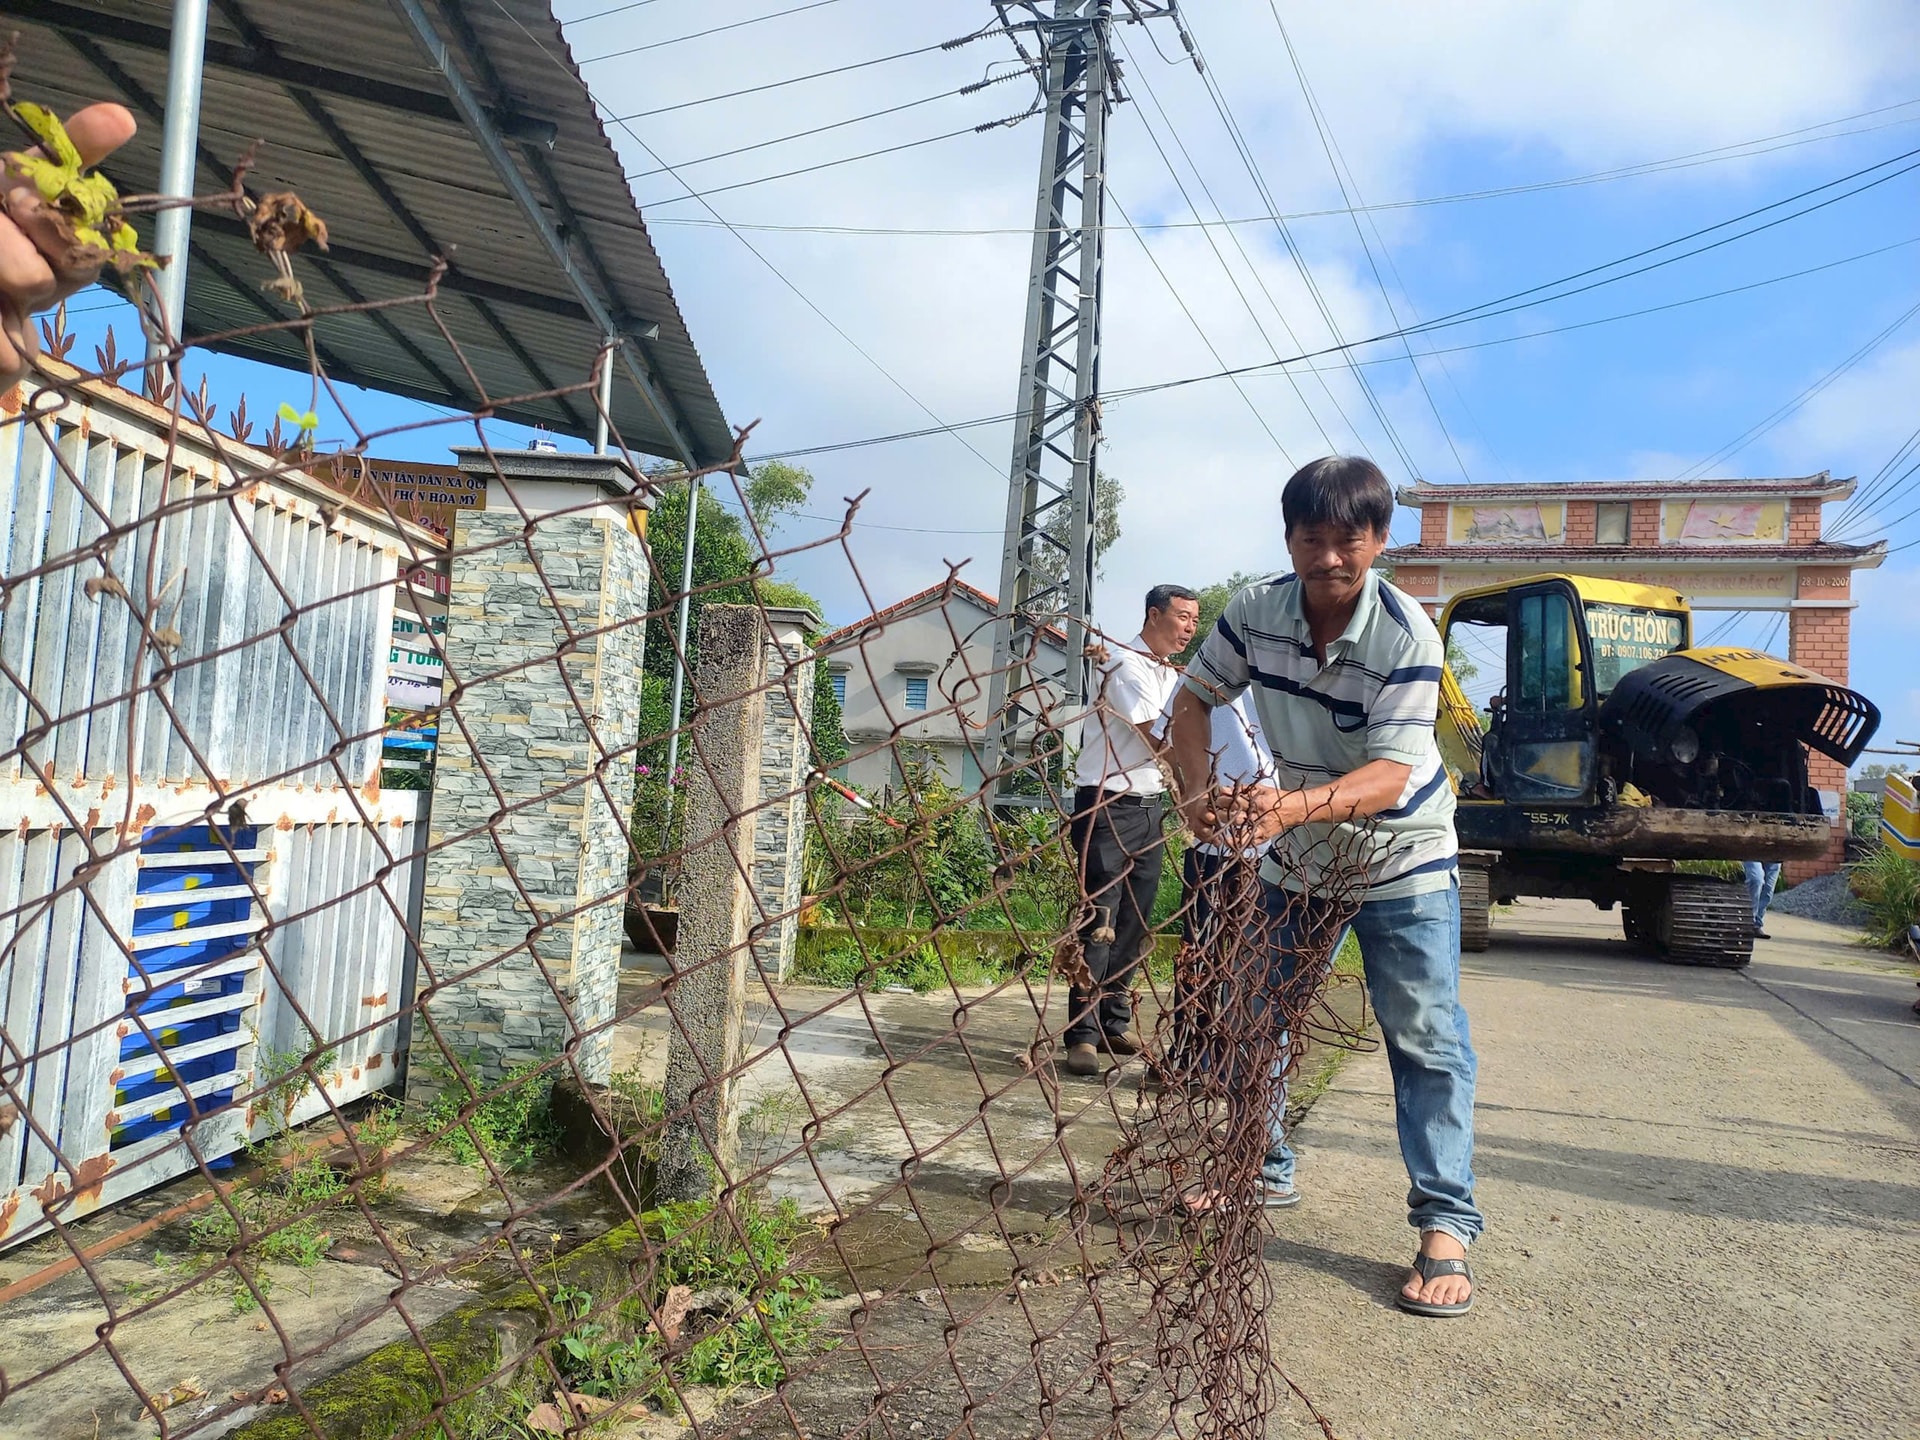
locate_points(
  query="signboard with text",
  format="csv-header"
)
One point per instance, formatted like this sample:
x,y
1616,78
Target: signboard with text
x,y
429,495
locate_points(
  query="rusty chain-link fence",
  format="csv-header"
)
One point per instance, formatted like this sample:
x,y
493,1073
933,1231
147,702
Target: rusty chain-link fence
x,y
458,1067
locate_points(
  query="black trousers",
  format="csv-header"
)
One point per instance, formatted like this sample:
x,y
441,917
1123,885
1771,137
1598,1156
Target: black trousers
x,y
1120,851
1212,882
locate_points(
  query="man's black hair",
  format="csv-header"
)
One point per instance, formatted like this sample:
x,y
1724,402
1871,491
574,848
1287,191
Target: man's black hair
x,y
1344,491
1161,596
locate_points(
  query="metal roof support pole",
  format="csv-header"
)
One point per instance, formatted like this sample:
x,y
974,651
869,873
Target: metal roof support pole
x,y
1057,433
606,396
694,491
186,59
479,121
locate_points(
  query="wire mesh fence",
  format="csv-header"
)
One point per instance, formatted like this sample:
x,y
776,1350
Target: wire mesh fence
x,y
548,1087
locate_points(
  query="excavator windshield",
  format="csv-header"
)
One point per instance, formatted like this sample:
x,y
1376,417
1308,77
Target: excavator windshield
x,y
1625,637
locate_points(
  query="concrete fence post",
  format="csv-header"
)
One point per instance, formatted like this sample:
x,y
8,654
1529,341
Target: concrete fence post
x,y
706,992
522,918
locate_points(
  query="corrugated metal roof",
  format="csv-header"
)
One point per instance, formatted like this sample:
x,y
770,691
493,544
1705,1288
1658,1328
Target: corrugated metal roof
x,y
356,121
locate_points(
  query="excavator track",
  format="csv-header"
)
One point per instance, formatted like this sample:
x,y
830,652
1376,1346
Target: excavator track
x,y
1475,903
1705,922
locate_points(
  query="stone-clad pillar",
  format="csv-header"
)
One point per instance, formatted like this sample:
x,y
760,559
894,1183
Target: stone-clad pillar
x,y
779,848
535,768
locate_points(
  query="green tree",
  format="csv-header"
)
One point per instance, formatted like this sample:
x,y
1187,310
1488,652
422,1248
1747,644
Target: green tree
x,y
724,565
1463,669
1213,601
775,489
1108,496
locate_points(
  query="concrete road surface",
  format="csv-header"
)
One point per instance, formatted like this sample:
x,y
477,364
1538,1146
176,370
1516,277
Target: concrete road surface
x,y
1703,1193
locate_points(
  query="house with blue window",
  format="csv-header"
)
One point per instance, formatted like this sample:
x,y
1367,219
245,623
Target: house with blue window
x,y
913,682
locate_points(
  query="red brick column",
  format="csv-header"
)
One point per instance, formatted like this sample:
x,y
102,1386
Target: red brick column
x,y
1644,523
1580,522
1803,520
1433,525
1818,641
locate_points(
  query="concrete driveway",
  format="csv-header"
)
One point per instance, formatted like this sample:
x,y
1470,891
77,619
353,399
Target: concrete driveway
x,y
1703,1192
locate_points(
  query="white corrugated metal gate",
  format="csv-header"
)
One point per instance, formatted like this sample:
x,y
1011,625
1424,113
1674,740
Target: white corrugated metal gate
x,y
164,956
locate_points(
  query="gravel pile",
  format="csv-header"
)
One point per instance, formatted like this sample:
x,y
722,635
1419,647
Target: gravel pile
x,y
1823,898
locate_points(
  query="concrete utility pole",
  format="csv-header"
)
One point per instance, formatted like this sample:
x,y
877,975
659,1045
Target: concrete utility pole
x,y
1043,582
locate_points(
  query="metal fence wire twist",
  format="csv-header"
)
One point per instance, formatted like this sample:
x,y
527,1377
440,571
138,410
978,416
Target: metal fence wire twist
x,y
863,1200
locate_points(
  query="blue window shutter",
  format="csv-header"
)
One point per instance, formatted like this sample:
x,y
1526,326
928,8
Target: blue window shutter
x,y
917,694
840,687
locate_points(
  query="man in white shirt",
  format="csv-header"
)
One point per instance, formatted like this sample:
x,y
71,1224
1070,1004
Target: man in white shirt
x,y
1214,875
1115,827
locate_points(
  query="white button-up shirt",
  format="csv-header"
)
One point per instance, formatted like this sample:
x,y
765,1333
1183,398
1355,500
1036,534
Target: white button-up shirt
x,y
1239,751
1131,687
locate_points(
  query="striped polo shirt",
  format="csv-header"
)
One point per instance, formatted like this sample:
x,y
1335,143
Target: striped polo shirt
x,y
1374,699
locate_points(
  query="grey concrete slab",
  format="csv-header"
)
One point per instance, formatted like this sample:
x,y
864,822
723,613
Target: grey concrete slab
x,y
1703,1192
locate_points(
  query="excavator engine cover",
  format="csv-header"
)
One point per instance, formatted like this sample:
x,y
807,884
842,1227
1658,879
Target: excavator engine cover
x,y
1723,729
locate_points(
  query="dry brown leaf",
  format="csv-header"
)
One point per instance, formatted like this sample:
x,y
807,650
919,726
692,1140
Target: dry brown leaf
x,y
551,1418
672,1312
188,1389
276,1395
282,223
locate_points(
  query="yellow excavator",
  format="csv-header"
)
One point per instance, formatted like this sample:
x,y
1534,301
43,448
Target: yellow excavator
x,y
1613,750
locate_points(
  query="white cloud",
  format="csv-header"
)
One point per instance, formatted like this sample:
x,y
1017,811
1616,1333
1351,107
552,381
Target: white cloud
x,y
1553,87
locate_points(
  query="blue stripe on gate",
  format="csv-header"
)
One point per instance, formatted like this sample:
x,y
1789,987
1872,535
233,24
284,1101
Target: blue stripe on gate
x,y
218,1002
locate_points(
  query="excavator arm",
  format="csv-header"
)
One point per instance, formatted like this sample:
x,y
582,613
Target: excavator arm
x,y
1457,727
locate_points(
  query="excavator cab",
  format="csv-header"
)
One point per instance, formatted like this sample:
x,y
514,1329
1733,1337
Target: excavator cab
x,y
1539,745
1609,752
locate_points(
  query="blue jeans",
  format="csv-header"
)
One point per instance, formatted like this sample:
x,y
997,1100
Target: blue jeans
x,y
1760,882
1410,949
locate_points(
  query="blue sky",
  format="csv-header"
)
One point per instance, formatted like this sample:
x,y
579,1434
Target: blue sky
x,y
1423,101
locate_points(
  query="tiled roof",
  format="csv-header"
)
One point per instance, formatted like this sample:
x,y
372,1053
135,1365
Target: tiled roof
x,y
933,597
1822,485
1561,557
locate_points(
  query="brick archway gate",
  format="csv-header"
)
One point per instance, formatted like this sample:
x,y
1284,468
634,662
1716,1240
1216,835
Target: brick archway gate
x,y
1724,544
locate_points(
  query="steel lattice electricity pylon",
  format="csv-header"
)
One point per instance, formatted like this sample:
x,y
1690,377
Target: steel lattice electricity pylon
x,y
1046,567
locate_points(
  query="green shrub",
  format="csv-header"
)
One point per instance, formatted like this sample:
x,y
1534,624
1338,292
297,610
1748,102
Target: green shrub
x,y
1889,885
748,1252
514,1124
833,955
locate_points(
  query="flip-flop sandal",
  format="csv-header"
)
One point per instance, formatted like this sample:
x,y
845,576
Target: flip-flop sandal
x,y
1431,1267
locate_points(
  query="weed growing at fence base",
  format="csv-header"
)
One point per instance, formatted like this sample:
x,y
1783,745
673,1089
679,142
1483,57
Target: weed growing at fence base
x,y
514,1124
759,1313
277,1204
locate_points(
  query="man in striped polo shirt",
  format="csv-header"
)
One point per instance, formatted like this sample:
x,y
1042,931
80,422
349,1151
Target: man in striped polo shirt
x,y
1345,675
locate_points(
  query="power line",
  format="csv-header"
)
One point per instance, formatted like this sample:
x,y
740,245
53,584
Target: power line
x,y
701,34
964,90
1233,222
1870,492
1254,173
772,84
602,14
693,194
1327,147
1207,190
1755,431
1115,396
753,250
1198,329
